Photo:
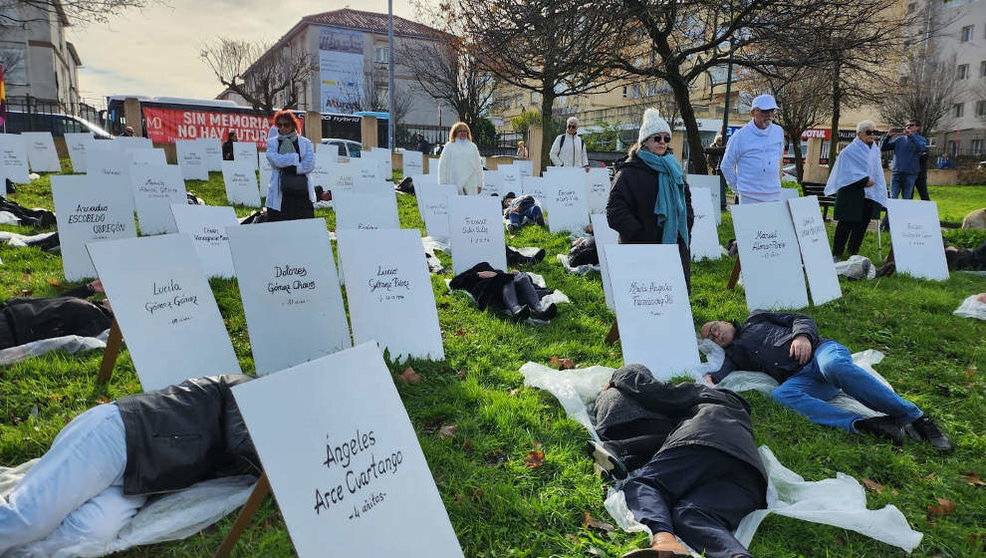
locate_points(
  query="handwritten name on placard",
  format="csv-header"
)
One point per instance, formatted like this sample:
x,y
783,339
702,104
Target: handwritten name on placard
x,y
212,235
282,283
388,284
356,459
96,214
156,188
766,245
812,230
916,235
438,207
565,198
169,298
652,295
477,230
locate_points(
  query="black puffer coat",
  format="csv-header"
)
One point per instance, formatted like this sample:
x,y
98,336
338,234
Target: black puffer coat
x,y
630,209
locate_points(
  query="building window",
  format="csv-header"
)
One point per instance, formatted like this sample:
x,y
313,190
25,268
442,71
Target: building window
x,y
982,69
967,33
980,108
962,71
635,92
626,91
953,147
958,109
977,146
382,55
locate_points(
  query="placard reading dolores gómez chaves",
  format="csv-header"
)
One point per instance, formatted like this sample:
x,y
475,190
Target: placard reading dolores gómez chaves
x,y
165,309
87,211
343,460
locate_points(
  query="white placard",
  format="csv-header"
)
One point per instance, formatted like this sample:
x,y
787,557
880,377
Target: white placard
x,y
413,162
382,159
597,190
604,237
342,176
525,168
165,309
133,142
77,144
246,152
212,149
534,186
433,166
3,183
339,471
769,254
192,159
290,292
321,174
476,232
433,206
265,171
916,236
565,201
816,253
389,291
13,158
704,237
152,156
492,183
376,188
108,166
206,225
511,180
155,188
41,152
652,308
241,183
87,211
361,211
365,168
711,183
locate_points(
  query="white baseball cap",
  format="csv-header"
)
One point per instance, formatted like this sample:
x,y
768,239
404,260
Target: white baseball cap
x,y
764,102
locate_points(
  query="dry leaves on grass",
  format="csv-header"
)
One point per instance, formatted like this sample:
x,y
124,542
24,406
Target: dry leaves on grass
x,y
944,507
468,446
54,283
972,479
561,363
409,376
460,332
589,521
970,372
873,485
448,431
534,459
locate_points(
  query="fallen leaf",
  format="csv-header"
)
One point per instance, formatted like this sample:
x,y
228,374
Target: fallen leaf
x,y
468,446
26,276
534,459
477,494
461,373
553,361
431,426
565,364
873,485
409,376
930,476
970,371
944,507
54,283
589,521
103,400
973,479
514,392
495,458
460,332
448,431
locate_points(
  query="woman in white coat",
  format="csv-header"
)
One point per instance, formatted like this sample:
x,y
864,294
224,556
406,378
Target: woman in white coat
x,y
460,163
290,195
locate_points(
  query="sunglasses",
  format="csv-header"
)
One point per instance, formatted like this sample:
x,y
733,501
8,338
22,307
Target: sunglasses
x,y
870,132
658,138
285,124
573,126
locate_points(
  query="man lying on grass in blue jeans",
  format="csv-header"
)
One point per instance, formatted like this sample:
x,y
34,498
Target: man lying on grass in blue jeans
x,y
811,370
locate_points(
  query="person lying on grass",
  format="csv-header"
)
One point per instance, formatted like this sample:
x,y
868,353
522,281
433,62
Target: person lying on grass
x,y
512,293
23,320
688,450
103,465
811,370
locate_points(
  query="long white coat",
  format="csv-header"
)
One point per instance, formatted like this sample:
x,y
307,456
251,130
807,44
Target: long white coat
x,y
460,164
305,164
571,154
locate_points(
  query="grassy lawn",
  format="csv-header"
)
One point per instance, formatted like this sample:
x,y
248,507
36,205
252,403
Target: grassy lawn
x,y
497,504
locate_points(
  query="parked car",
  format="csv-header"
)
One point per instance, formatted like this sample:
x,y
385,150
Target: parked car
x,y
57,124
347,148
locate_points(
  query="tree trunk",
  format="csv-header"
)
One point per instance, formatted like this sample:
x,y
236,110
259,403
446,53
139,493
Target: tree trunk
x,y
799,164
836,102
547,128
696,156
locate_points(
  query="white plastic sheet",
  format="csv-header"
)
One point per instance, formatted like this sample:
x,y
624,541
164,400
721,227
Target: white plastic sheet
x,y
21,240
577,270
856,267
67,343
971,308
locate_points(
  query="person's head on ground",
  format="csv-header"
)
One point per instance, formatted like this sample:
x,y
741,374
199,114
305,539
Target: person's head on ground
x,y
572,125
655,133
286,122
866,131
505,202
460,132
721,333
762,109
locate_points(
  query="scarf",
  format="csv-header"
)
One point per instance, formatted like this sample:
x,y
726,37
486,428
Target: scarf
x,y
670,204
285,147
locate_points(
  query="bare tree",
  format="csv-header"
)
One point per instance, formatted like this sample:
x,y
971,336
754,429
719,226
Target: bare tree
x,y
447,70
12,61
553,47
261,73
19,12
926,91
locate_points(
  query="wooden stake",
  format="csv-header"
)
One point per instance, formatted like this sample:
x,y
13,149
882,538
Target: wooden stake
x,y
111,353
734,275
256,498
614,334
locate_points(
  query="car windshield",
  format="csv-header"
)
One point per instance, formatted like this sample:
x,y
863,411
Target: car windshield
x,y
354,149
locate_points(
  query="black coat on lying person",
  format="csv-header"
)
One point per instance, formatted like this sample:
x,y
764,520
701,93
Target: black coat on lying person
x,y
184,434
24,320
488,291
961,258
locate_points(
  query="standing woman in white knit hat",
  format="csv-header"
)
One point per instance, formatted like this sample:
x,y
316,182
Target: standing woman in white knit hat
x,y
650,202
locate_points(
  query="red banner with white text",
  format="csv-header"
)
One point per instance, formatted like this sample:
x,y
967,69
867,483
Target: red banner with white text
x,y
166,125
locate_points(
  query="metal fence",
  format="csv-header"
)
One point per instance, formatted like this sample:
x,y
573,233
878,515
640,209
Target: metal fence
x,y
28,113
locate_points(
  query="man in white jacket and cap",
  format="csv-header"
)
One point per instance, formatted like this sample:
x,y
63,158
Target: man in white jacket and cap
x,y
751,163
568,150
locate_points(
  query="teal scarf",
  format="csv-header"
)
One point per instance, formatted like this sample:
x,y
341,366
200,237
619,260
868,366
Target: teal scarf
x,y
286,147
670,208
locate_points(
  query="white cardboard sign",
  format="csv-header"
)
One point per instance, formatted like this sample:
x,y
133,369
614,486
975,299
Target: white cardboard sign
x,y
816,253
365,168
524,167
711,183
41,152
342,176
13,158
213,153
365,211
704,237
476,232
433,206
389,291
770,257
349,467
565,201
413,163
321,174
165,309
133,142
652,308
192,159
246,152
511,180
597,190
155,188
916,236
385,162
152,156
108,166
206,225
87,211
492,183
290,292
241,183
265,171
77,144
537,187
604,237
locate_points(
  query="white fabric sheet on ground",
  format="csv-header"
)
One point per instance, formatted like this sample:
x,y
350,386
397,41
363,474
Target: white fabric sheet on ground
x,y
67,343
577,270
839,501
20,240
171,517
971,308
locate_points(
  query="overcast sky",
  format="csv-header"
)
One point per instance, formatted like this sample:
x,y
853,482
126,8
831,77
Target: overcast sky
x,y
155,52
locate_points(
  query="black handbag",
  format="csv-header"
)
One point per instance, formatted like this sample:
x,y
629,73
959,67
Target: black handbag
x,y
294,185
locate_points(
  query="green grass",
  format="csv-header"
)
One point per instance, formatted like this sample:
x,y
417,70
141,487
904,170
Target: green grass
x,y
954,202
497,505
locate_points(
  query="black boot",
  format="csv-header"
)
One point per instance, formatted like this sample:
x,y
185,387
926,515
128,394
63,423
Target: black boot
x,y
511,306
883,427
525,288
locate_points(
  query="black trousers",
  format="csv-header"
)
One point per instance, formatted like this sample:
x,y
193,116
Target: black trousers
x,y
852,231
698,493
921,186
7,339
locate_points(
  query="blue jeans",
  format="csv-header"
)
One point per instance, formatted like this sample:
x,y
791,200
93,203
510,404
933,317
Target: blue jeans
x,y
831,370
533,213
902,183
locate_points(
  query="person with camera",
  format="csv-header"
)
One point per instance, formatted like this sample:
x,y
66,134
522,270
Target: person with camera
x,y
907,145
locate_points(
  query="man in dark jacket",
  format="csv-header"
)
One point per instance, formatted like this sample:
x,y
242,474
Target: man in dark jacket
x,y
811,370
696,469
101,467
24,320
